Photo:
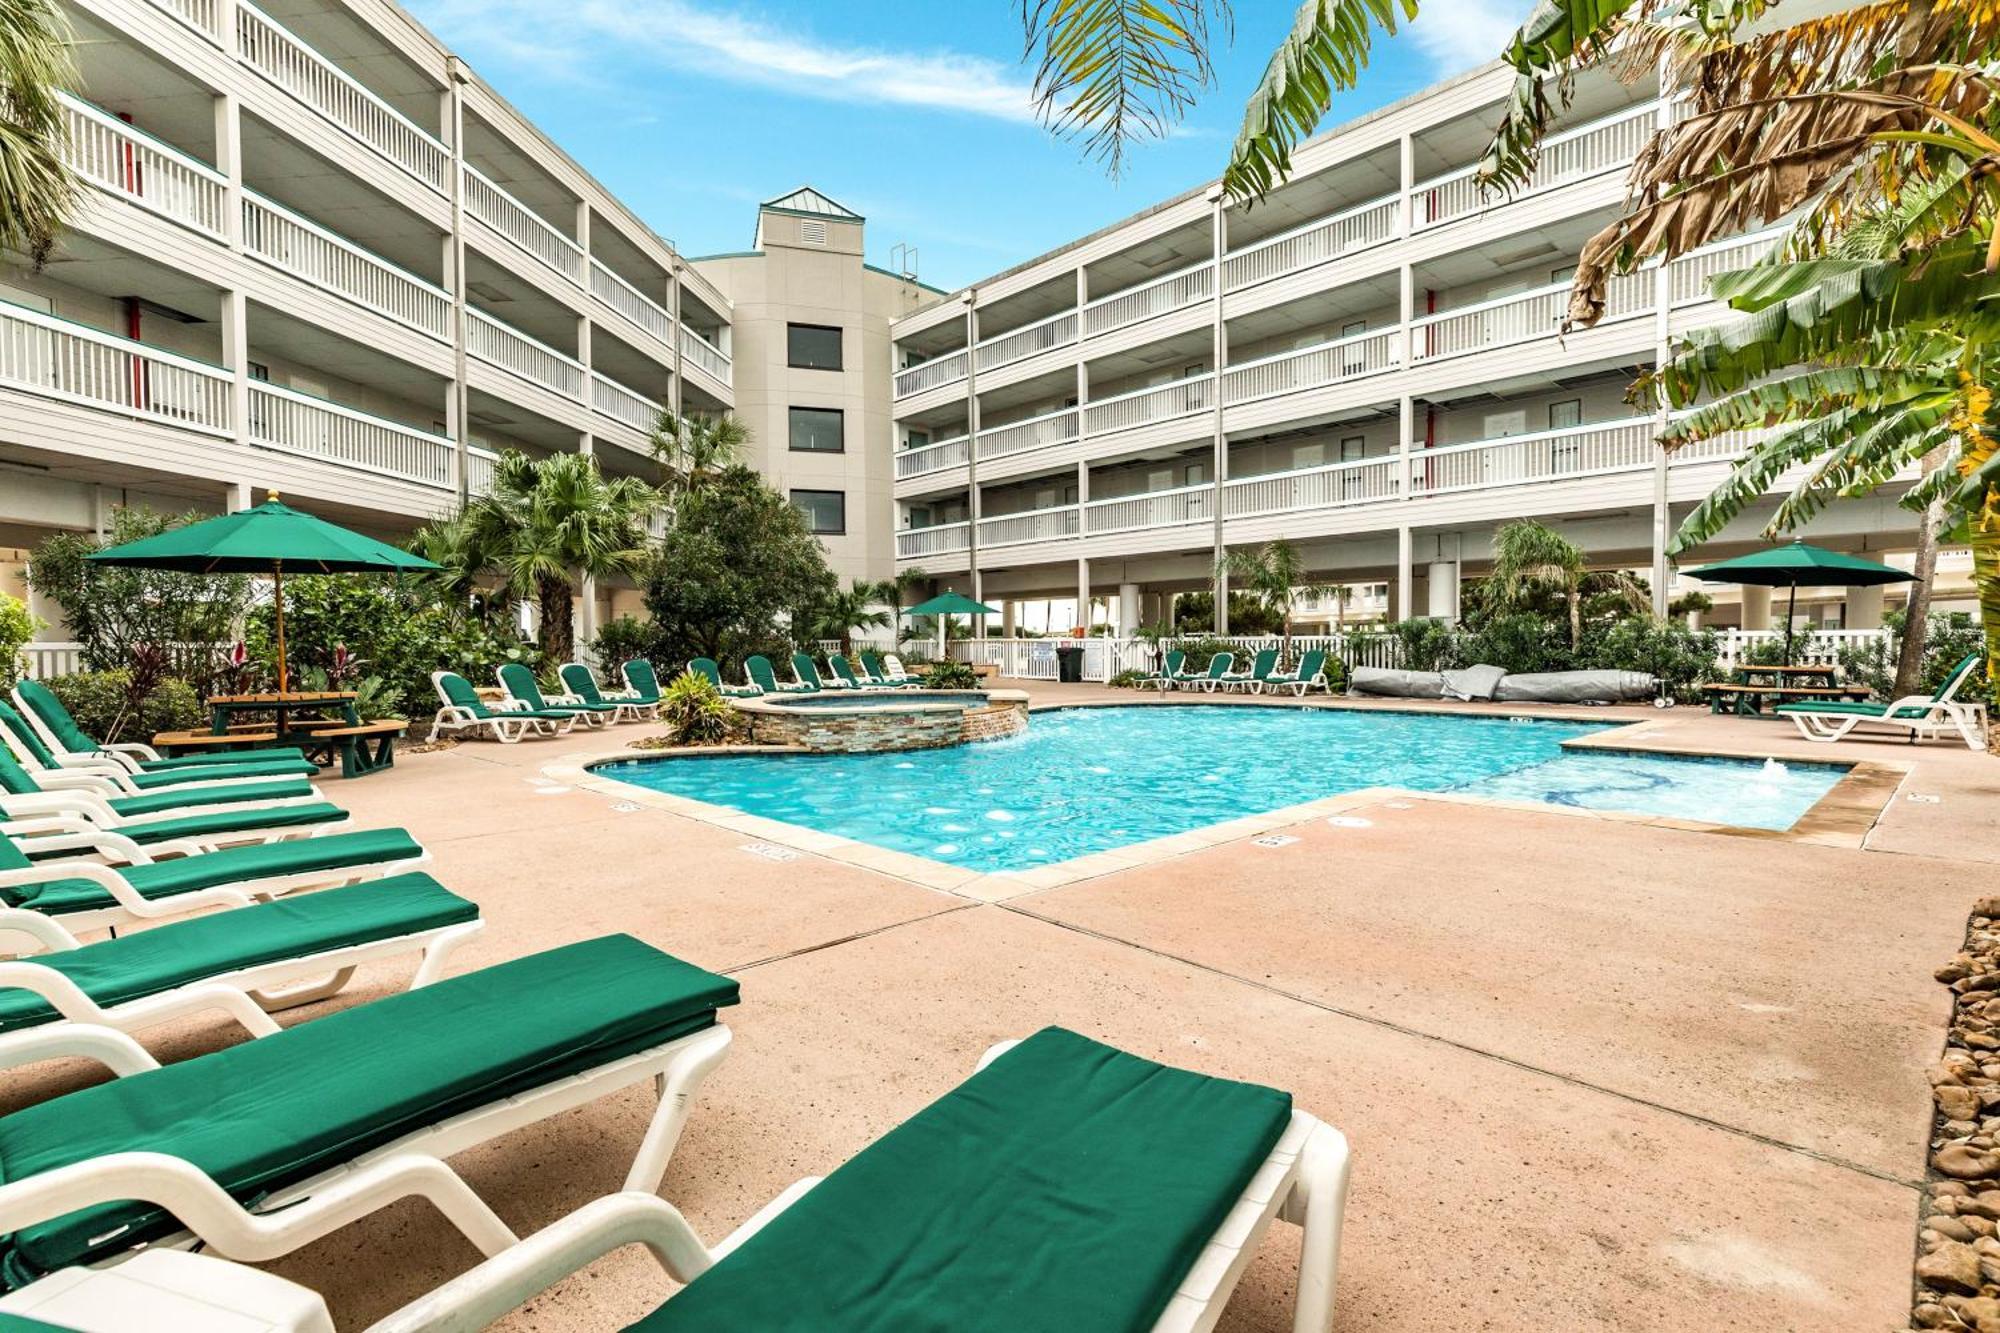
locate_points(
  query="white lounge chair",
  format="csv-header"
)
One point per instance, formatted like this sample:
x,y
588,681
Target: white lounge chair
x,y
69,745
463,711
1919,717
350,1111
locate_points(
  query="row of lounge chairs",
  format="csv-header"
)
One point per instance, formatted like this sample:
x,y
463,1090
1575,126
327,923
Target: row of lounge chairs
x,y
867,671
1000,1205
1262,676
525,710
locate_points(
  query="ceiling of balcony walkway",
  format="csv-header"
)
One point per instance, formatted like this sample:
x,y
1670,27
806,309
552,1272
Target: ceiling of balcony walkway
x,y
497,423
1315,197
1453,145
85,262
274,333
280,168
1044,299
126,79
611,355
496,157
498,290
1193,347
363,56
1528,258
1321,312
1153,257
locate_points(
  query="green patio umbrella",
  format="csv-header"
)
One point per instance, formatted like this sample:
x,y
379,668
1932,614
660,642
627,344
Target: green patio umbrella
x,y
949,604
273,539
1797,563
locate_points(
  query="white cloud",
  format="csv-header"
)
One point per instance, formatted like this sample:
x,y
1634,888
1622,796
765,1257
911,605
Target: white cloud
x,y
682,35
1461,34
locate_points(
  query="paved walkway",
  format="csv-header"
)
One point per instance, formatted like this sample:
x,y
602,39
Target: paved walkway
x,y
1597,1075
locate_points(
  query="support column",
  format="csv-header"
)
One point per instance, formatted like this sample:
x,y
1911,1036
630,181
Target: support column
x,y
1756,604
235,329
1864,608
1441,584
1128,610
241,499
460,416
586,625
1083,592
973,505
1400,601
1219,358
674,333
229,161
1007,619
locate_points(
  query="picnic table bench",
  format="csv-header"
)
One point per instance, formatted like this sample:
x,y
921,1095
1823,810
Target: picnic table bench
x,y
1753,686
361,749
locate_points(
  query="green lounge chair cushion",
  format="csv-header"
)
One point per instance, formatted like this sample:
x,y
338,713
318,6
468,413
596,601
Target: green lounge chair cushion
x,y
74,741
149,962
228,821
279,1109
153,802
458,690
230,865
267,754
1838,708
645,682
155,779
1067,1185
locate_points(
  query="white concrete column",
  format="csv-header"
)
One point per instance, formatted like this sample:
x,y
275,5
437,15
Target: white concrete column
x,y
1128,610
240,497
1218,360
235,329
1756,605
1007,609
1400,601
456,78
100,511
229,161
1406,172
1441,584
1406,444
586,626
1083,592
1864,608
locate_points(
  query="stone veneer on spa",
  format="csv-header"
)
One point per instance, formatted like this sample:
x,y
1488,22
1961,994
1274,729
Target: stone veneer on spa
x,y
996,714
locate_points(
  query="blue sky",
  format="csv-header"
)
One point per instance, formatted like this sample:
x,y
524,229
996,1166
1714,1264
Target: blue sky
x,y
914,114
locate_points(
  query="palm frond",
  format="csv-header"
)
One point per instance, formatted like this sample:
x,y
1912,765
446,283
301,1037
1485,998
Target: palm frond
x,y
1557,36
1323,54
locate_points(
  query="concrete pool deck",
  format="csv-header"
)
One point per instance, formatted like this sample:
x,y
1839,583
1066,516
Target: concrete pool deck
x,y
1597,1074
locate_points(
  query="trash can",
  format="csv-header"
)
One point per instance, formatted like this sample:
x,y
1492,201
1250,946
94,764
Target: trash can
x,y
1069,663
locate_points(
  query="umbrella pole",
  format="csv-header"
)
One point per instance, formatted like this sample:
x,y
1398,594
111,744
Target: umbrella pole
x,y
1791,615
278,597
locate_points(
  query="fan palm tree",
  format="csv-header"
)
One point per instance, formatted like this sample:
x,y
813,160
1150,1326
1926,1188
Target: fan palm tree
x,y
692,450
1272,575
858,606
892,593
1530,558
546,525
37,189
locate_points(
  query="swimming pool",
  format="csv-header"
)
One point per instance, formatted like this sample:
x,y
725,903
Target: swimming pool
x,y
1089,779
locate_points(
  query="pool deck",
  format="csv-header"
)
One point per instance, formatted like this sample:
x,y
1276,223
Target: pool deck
x,y
1597,1073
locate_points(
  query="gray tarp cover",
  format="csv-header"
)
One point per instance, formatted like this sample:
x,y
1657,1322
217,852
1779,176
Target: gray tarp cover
x,y
1549,687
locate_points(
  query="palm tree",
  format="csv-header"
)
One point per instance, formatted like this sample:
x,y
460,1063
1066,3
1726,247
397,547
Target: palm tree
x,y
1272,575
892,593
546,525
37,189
858,606
1531,558
692,450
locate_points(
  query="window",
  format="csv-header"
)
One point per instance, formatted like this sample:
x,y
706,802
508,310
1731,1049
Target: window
x,y
825,511
1499,425
260,372
1354,328
916,439
1353,447
812,347
1308,455
1565,414
1563,274
818,430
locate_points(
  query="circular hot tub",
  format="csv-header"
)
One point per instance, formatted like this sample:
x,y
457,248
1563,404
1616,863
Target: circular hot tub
x,y
861,721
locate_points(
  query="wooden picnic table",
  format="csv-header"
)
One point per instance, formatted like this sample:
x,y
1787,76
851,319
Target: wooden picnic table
x,y
1750,687
281,704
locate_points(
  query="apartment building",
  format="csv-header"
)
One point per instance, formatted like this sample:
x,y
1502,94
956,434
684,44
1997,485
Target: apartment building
x,y
318,255
811,359
1369,363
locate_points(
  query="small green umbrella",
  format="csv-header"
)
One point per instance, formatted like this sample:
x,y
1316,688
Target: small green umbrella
x,y
272,538
949,604
1797,563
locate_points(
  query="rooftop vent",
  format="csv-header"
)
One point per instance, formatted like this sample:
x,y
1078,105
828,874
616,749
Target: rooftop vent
x,y
812,232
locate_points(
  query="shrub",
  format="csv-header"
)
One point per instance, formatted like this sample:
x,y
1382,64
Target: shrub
x,y
1518,641
1682,658
619,640
104,704
17,628
951,676
1423,645
694,711
1200,652
1128,679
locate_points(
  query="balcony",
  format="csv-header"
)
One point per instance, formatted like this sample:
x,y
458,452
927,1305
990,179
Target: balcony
x,y
313,254
1162,296
942,539
527,229
1035,525
297,423
1553,455
1313,367
488,340
53,358
939,456
136,167
1358,481
1032,340
610,398
1313,244
1521,318
932,374
1154,509
198,14
705,354
618,295
264,45
1143,407
1588,150
1020,437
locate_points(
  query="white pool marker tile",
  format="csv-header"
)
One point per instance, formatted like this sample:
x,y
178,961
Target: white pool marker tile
x,y
1275,840
625,807
770,851
1350,821
1402,805
551,791
1922,798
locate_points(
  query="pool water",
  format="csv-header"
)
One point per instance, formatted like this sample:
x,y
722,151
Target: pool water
x,y
1090,779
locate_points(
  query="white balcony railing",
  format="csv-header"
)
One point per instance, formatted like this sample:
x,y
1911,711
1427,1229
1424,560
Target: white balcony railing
x,y
1687,277
268,48
1311,367
619,403
932,374
1154,509
51,357
627,300
479,464
1144,406
933,457
1020,344
1301,248
1580,451
133,165
1587,150
196,13
1357,481
298,423
705,354
312,253
943,539
1019,437
498,345
1035,525
1520,318
522,225
1161,296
